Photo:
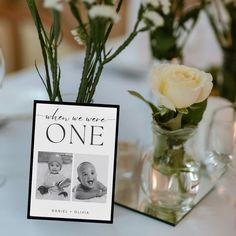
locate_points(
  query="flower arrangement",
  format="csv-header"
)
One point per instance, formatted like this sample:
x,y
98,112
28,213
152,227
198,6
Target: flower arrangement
x,y
175,21
182,94
222,17
92,31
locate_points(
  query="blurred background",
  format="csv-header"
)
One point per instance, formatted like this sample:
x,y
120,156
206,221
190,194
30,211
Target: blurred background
x,y
20,44
19,40
18,36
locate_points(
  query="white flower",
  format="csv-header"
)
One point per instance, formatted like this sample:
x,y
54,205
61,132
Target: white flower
x,y
155,19
53,4
166,10
77,37
154,3
166,5
104,11
179,86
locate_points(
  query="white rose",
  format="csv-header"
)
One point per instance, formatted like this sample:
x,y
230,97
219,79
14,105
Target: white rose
x,y
179,86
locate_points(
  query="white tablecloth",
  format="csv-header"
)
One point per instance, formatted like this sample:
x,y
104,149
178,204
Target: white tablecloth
x,y
213,215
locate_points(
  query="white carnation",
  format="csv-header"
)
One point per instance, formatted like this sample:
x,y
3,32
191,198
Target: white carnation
x,y
53,4
155,19
104,11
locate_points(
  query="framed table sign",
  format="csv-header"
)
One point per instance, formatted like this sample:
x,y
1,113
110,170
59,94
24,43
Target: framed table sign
x,y
73,160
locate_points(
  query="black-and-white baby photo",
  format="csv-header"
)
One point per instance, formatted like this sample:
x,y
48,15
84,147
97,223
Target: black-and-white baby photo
x,y
54,176
89,180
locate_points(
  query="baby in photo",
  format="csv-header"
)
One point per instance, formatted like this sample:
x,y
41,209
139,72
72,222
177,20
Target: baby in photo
x,y
54,182
89,186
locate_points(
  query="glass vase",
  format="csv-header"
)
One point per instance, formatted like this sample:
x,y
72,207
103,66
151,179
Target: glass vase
x,y
228,81
170,175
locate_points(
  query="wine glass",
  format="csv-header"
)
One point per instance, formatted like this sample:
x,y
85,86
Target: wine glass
x,y
221,159
2,74
221,140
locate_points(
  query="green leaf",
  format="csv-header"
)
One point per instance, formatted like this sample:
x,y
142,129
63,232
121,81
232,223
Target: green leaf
x,y
161,115
109,2
164,115
164,44
151,105
195,113
76,13
165,41
163,111
56,30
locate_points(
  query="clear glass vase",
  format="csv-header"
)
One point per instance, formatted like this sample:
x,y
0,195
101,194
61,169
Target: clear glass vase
x,y
170,175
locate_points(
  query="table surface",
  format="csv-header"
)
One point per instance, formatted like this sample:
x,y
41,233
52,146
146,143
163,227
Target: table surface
x,y
213,216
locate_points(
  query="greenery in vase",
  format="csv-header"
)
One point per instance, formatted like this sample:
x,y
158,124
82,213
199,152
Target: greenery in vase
x,y
182,94
222,17
177,19
49,42
93,31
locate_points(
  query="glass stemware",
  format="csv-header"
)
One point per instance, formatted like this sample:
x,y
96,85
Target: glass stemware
x,y
221,140
221,158
2,74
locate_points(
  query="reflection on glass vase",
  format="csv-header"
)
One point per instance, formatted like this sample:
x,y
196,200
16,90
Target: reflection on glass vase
x,y
228,80
170,175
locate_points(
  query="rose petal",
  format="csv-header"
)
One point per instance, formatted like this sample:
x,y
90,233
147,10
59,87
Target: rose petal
x,y
166,102
182,97
181,93
179,86
207,86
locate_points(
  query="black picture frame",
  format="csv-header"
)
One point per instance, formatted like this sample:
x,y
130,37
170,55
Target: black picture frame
x,y
73,162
